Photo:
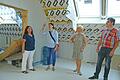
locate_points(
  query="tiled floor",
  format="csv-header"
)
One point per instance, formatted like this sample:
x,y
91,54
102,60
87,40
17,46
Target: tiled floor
x,y
64,71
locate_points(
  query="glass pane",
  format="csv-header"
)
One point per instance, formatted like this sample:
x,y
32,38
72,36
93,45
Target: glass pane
x,y
89,8
7,14
113,7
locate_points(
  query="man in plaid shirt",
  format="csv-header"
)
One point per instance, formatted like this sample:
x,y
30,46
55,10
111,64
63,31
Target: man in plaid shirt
x,y
106,48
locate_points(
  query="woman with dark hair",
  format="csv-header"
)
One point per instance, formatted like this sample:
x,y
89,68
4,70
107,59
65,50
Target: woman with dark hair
x,y
51,45
28,49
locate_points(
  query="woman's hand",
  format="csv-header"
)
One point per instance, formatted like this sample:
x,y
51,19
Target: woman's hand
x,y
23,51
81,49
23,45
43,27
56,47
97,50
71,40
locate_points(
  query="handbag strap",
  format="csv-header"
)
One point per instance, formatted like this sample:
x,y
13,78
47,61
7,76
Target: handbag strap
x,y
52,36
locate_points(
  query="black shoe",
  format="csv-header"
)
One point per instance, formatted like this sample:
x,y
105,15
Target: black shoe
x,y
32,69
93,77
25,72
75,70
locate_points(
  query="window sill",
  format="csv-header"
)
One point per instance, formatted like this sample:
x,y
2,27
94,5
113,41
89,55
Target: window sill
x,y
95,20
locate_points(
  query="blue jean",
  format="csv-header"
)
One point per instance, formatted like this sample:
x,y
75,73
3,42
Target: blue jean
x,y
103,53
51,53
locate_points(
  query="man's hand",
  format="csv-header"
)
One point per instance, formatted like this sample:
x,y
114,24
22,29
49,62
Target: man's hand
x,y
111,53
43,27
97,50
81,49
23,51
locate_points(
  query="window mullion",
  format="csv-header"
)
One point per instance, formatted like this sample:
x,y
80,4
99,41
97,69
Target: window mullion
x,y
103,8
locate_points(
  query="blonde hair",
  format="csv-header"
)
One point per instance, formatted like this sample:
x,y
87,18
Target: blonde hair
x,y
80,26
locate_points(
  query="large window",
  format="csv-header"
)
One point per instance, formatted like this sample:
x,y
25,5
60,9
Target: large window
x,y
7,15
89,8
96,11
114,8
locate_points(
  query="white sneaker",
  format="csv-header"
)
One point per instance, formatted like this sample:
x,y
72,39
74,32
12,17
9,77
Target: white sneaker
x,y
79,73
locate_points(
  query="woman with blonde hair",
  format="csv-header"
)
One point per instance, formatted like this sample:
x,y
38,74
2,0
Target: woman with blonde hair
x,y
79,41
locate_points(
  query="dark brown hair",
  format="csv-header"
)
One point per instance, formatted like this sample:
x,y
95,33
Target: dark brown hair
x,y
26,32
112,20
52,25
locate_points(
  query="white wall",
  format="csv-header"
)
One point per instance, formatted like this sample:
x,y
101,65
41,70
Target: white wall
x,y
2,42
36,18
90,55
66,51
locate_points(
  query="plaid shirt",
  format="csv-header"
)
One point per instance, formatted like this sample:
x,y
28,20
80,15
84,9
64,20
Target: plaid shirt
x,y
119,35
109,37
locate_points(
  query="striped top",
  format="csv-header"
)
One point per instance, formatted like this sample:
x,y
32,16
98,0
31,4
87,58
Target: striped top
x,y
109,37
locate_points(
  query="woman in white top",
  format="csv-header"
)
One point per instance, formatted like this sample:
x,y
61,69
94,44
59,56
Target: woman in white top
x,y
51,45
